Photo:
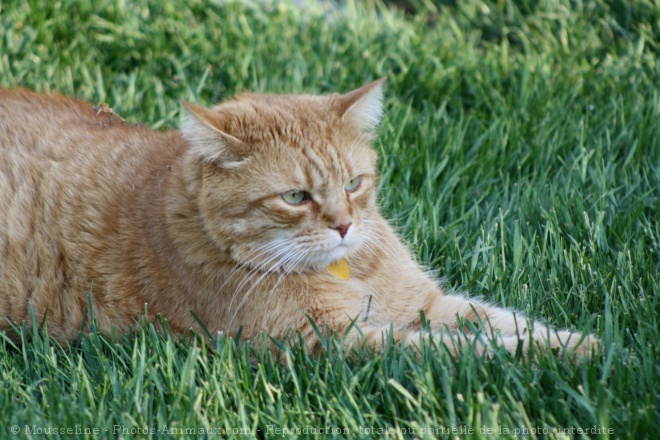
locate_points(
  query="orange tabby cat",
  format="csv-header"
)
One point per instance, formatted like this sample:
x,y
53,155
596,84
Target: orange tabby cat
x,y
260,213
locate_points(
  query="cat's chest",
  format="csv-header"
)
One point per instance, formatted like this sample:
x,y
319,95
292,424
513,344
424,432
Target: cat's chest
x,y
368,303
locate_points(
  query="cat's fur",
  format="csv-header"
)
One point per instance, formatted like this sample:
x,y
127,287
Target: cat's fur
x,y
195,221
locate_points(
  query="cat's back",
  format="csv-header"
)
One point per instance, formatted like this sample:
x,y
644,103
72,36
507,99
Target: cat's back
x,y
51,132
53,126
68,172
19,107
42,139
50,143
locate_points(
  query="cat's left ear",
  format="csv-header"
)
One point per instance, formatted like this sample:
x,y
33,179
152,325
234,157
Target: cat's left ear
x,y
363,108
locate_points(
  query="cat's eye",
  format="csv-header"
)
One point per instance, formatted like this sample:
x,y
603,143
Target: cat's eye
x,y
352,184
295,197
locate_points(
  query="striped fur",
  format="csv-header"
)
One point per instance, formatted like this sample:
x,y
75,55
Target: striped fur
x,y
195,221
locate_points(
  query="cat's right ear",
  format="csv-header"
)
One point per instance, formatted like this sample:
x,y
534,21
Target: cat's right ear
x,y
363,108
203,128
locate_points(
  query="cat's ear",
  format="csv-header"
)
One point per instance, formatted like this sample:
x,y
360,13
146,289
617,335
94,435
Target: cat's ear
x,y
204,129
363,108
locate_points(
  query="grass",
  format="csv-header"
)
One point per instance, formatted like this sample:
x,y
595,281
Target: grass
x,y
520,159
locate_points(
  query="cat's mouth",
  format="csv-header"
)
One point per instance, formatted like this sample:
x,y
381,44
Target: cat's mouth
x,y
316,260
286,256
337,253
286,261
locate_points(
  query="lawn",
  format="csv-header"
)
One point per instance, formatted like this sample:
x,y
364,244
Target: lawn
x,y
520,158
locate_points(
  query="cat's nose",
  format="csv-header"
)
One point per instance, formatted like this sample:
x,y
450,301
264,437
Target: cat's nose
x,y
342,229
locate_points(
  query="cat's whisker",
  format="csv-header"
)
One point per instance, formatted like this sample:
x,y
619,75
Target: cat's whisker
x,y
285,251
254,254
273,256
380,242
259,251
310,245
270,271
264,249
380,239
383,240
370,244
254,271
282,276
272,291
294,260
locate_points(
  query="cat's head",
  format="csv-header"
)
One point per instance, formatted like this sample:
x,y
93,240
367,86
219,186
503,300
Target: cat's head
x,y
287,181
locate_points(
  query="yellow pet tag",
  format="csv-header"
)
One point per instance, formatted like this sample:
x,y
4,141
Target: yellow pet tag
x,y
340,269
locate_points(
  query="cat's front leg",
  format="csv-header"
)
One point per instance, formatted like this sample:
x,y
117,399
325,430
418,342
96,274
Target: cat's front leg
x,y
512,329
444,314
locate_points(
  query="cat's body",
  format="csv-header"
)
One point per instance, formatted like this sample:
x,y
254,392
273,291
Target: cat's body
x,y
236,219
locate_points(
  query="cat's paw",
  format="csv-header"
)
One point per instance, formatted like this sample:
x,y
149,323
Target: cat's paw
x,y
584,346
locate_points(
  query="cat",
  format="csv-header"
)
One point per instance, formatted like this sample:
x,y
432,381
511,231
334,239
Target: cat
x,y
260,214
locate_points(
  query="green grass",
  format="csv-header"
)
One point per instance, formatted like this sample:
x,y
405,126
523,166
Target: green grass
x,y
520,159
